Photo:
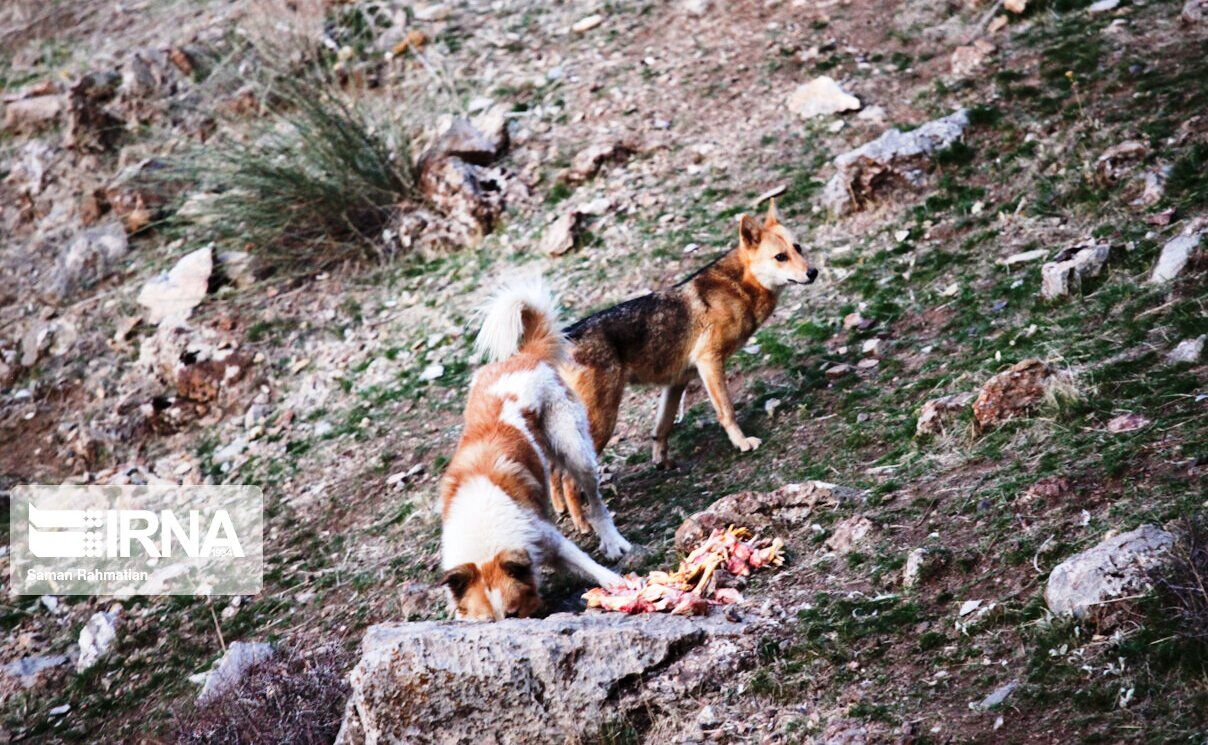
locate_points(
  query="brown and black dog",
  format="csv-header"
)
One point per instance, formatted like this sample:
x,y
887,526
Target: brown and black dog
x,y
661,338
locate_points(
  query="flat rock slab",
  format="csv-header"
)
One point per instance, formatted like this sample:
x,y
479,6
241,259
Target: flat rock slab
x,y
1175,255
1085,584
781,509
1066,275
894,156
556,679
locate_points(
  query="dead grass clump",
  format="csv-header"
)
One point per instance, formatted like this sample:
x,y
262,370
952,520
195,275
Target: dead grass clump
x,y
312,185
295,697
1182,584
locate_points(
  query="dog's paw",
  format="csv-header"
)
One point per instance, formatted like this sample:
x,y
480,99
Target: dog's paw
x,y
665,464
615,546
607,578
748,444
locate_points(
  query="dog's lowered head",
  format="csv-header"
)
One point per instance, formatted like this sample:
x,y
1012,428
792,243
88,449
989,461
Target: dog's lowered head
x,y
771,253
502,587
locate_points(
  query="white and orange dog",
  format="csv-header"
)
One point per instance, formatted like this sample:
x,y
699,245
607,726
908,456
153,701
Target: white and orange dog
x,y
521,423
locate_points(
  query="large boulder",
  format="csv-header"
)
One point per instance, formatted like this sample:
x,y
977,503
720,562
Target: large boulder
x,y
463,140
455,178
938,413
235,662
31,114
1015,392
175,293
89,257
1177,252
895,156
790,504
1065,274
96,638
91,126
202,364
1086,584
560,679
471,197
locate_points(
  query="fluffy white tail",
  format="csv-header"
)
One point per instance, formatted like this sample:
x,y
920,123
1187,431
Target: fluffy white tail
x,y
520,317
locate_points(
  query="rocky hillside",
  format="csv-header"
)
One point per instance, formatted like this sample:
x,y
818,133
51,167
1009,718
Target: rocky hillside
x,y
243,242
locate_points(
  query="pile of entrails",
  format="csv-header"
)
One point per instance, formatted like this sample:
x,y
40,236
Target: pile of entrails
x,y
692,588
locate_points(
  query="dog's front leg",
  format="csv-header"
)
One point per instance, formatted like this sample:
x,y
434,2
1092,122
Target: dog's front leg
x,y
573,558
669,404
713,375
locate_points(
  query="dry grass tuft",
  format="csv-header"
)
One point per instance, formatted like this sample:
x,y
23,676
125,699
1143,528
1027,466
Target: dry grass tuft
x,y
311,185
1182,584
295,697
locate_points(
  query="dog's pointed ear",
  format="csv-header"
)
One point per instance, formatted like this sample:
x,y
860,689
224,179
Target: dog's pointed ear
x,y
749,232
773,218
517,564
459,578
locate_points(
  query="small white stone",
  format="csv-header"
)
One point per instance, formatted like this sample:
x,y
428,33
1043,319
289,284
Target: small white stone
x,y
96,638
587,24
1188,350
230,452
1024,257
820,97
968,607
432,372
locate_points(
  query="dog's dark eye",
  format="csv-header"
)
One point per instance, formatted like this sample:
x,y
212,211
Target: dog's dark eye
x,y
797,248
782,257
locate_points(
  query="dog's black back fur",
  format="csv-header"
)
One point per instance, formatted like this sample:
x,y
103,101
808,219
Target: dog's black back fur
x,y
637,329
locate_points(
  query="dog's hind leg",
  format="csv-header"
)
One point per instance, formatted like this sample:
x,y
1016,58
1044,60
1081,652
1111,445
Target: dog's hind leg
x,y
600,388
566,428
570,491
669,404
564,496
555,492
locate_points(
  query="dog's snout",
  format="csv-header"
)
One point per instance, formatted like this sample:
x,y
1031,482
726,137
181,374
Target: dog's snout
x,y
811,274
